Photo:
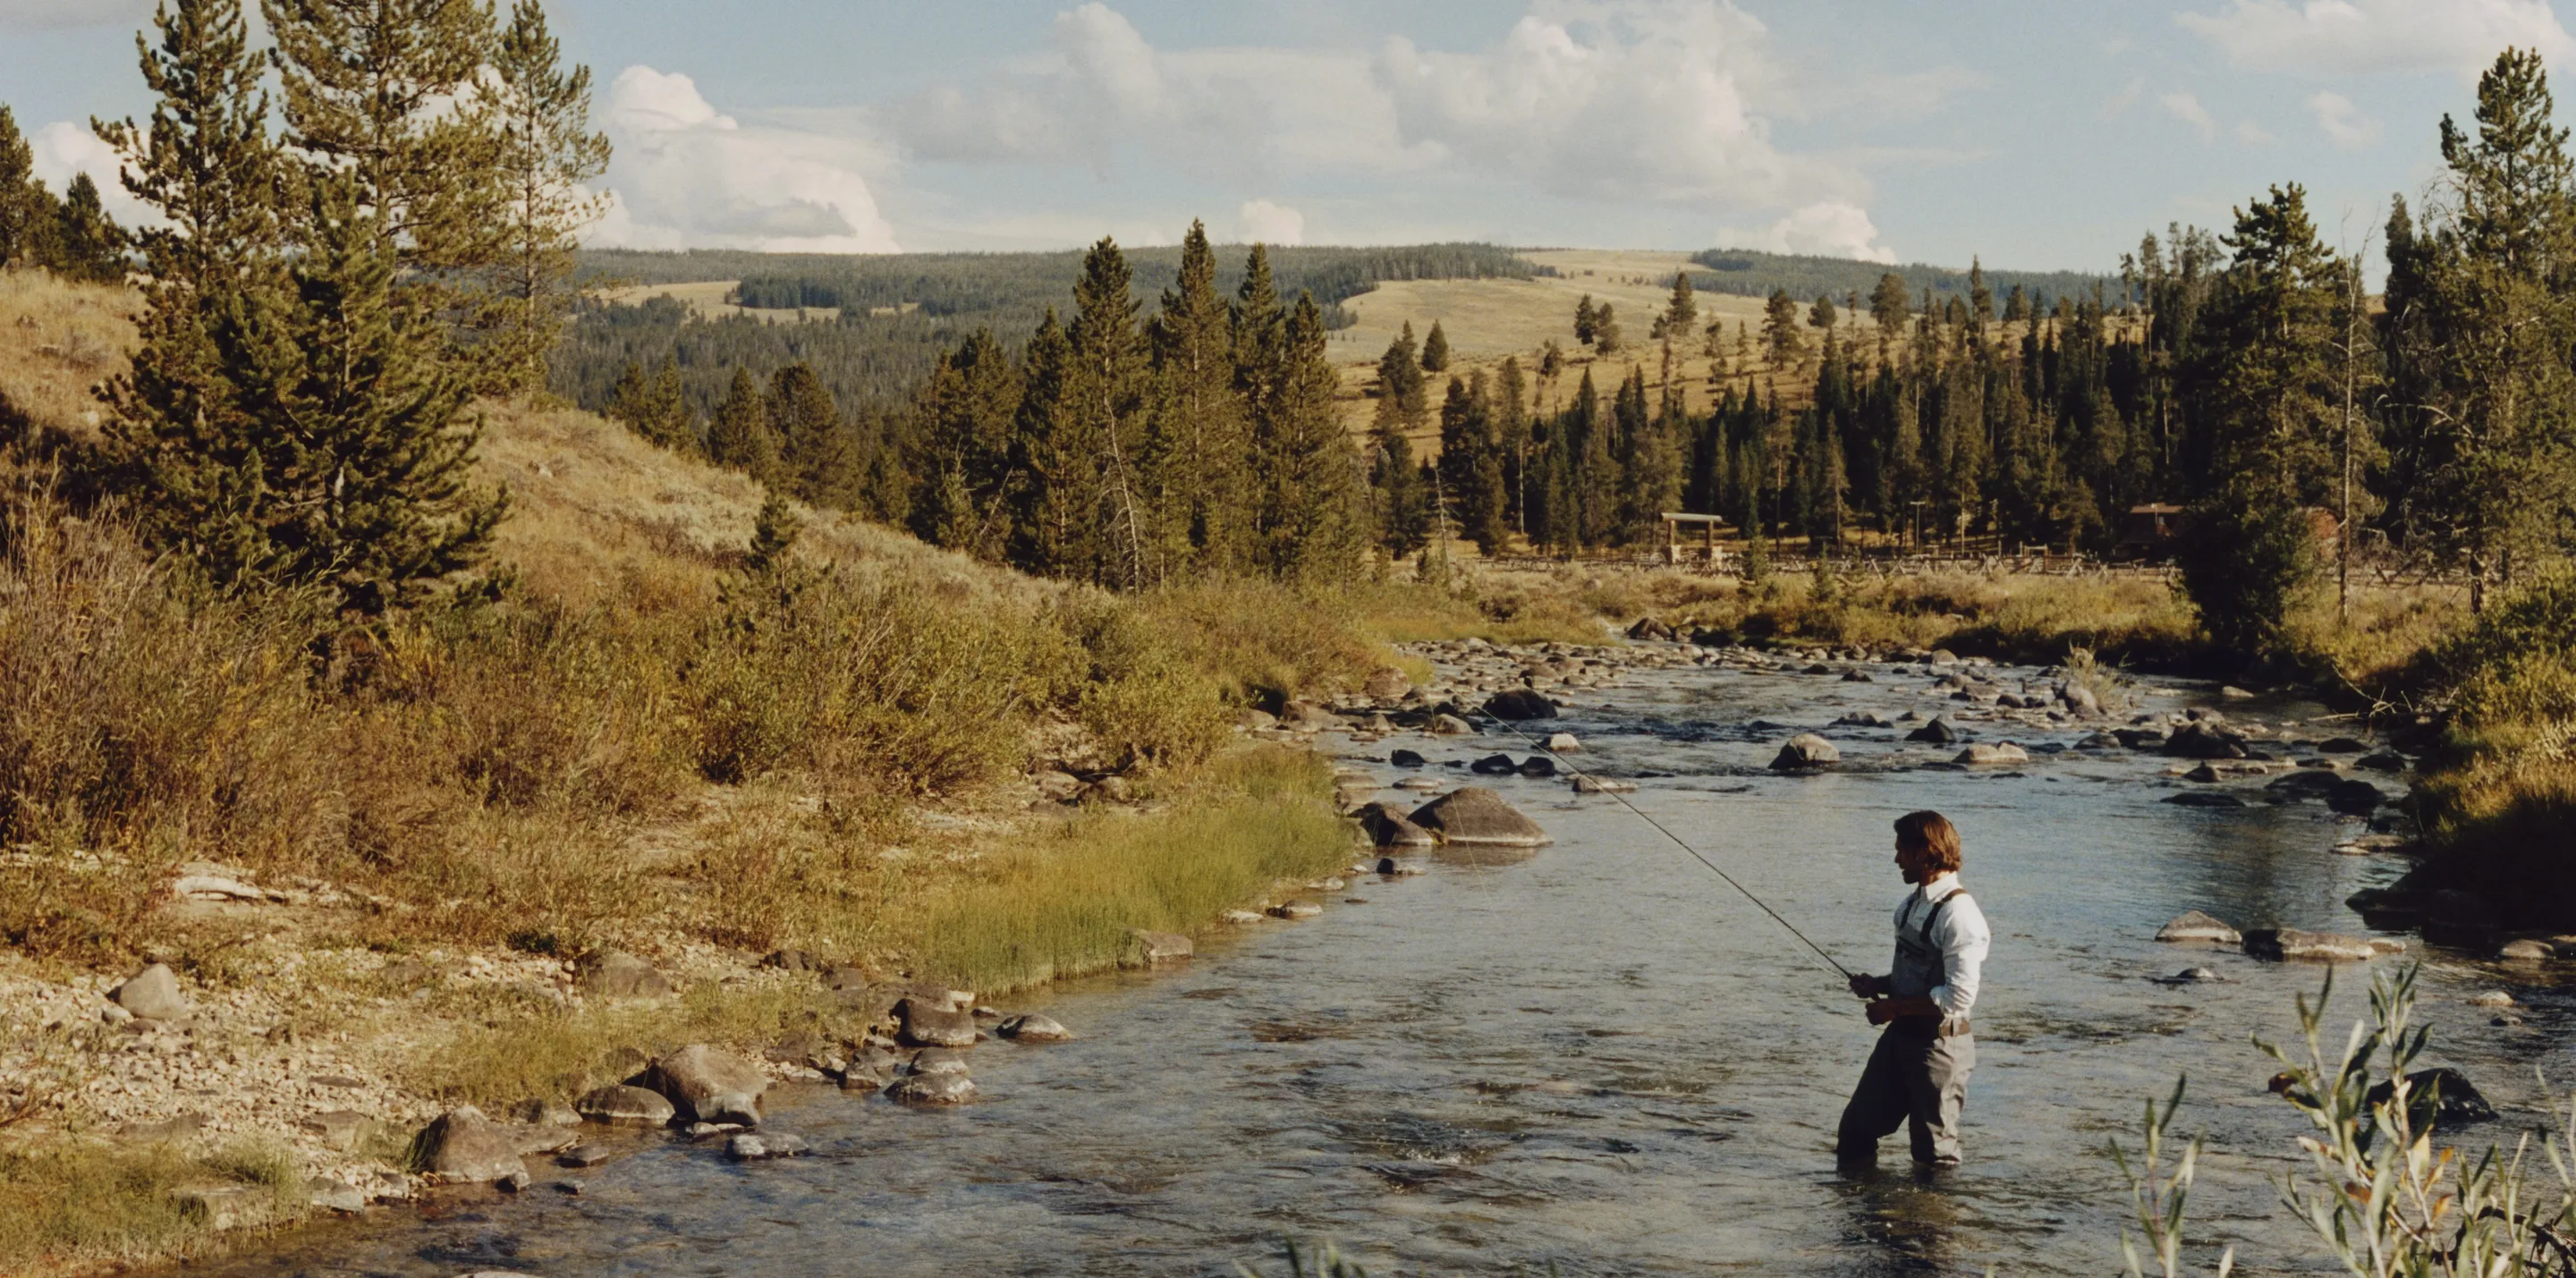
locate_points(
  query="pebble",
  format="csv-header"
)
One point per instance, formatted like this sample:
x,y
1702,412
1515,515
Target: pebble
x,y
752,1146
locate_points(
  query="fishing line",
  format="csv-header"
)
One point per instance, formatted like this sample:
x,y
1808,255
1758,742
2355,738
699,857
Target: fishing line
x,y
1696,855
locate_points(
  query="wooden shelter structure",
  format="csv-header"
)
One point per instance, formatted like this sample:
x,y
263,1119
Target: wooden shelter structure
x,y
1673,547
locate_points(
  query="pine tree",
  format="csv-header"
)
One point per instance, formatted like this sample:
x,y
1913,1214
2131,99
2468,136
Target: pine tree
x,y
1105,398
1780,330
1606,337
1055,531
1681,312
26,209
963,469
377,91
361,469
1822,315
546,152
818,463
1314,512
654,407
1196,450
1435,350
739,436
1584,319
184,448
773,534
88,244
1403,514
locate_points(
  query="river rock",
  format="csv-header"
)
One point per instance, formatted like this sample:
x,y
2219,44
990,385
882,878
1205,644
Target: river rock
x,y
1983,753
712,1086
1864,719
2293,943
1450,725
2201,739
2079,698
2205,799
926,1024
341,1129
1538,765
1406,759
2189,976
1240,917
747,1147
932,1089
1494,765
463,1145
1033,1028
2139,738
2455,1098
330,1193
620,1106
1805,750
1937,732
152,994
1162,947
2343,745
1395,869
1520,704
1590,784
2355,798
2194,926
1386,683
1390,827
1474,814
1296,910
618,974
2490,998
2527,951
2306,783
1563,743
1647,628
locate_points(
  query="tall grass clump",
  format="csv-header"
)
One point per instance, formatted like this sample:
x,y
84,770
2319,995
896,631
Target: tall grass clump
x,y
2499,789
1064,905
64,1206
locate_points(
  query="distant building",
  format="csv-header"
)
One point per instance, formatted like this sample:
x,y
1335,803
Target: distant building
x,y
2147,532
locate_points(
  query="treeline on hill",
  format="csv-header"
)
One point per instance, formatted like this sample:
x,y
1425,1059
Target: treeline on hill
x,y
897,313
1202,441
72,236
1747,273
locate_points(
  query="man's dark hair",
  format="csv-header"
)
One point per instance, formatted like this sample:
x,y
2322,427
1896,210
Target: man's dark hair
x,y
1931,830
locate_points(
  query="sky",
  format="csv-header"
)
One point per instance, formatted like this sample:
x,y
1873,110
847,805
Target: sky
x,y
2037,134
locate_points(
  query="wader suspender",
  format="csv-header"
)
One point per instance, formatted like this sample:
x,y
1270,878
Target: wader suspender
x,y
1923,936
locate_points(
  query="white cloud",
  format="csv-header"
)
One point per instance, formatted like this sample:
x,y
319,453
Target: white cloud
x,y
2345,124
1828,228
2186,108
1636,100
2325,38
56,15
686,175
63,148
2253,134
1262,222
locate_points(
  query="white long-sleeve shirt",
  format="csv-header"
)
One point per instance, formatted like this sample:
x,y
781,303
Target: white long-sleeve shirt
x,y
1960,933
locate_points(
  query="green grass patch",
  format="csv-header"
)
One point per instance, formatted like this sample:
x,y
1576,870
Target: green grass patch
x,y
68,1205
1062,905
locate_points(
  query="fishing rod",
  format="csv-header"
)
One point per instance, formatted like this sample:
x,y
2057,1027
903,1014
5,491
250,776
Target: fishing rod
x,y
1580,775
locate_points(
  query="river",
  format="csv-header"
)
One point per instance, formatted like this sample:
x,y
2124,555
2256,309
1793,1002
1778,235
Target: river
x,y
1597,1058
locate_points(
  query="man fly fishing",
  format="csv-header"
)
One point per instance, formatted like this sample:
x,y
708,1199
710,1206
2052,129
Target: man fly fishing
x,y
1917,1077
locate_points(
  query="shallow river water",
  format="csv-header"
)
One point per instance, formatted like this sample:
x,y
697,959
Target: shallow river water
x,y
1597,1058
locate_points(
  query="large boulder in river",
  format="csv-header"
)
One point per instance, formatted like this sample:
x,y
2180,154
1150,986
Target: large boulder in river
x,y
1450,725
1494,765
2192,925
1937,732
1519,704
1474,814
929,1024
2203,739
2357,798
1805,750
2440,1094
710,1086
2292,943
462,1144
1987,753
1390,827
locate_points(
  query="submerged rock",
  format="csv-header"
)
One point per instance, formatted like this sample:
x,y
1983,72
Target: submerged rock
x,y
932,1089
1405,759
2355,798
2293,943
1474,814
1520,704
2205,799
2194,926
747,1147
1589,784
1983,753
1805,750
1033,1028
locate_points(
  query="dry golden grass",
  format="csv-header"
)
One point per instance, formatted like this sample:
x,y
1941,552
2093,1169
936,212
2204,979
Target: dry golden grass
x,y
713,299
58,340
